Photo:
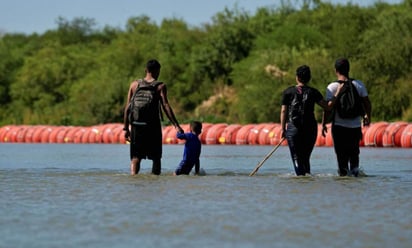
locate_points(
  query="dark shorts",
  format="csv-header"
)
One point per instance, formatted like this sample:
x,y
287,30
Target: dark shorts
x,y
146,142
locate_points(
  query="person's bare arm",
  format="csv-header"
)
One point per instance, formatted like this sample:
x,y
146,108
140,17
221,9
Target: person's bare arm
x,y
368,110
132,88
325,117
329,105
283,116
167,108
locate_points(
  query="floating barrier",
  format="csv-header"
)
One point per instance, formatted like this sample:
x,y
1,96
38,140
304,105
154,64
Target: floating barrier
x,y
379,134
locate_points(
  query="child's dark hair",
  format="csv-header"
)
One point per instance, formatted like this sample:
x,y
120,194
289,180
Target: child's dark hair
x,y
196,127
303,74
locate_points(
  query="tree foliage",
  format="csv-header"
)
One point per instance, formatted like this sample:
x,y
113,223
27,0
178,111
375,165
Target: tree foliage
x,y
233,69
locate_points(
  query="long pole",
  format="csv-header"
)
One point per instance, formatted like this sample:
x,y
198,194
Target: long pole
x,y
266,158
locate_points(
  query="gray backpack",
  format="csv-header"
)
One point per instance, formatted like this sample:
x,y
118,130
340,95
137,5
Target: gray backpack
x,y
144,106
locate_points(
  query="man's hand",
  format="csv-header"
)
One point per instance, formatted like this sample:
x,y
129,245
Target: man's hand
x,y
283,133
127,135
179,129
366,120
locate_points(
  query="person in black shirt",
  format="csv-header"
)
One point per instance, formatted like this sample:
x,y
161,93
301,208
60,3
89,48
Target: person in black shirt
x,y
297,118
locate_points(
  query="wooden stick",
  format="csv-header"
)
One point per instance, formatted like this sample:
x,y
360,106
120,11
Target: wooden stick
x,y
266,158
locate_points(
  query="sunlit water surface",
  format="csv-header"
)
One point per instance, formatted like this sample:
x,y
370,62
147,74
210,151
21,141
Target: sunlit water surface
x,y
78,195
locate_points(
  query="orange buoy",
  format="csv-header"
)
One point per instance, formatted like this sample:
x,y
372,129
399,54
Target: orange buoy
x,y
69,135
392,134
37,134
170,136
116,132
92,138
121,136
406,139
78,135
265,133
205,129
3,131
228,136
165,130
21,132
54,135
276,136
85,135
379,135
61,135
373,136
242,135
253,137
106,131
95,135
52,138
28,137
214,133
46,133
10,134
398,135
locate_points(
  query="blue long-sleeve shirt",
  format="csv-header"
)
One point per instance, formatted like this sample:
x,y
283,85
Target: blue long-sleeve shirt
x,y
192,148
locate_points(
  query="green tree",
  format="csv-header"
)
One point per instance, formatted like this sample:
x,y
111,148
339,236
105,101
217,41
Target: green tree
x,y
386,59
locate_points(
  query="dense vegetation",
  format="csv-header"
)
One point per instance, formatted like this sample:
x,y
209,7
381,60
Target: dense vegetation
x,y
232,70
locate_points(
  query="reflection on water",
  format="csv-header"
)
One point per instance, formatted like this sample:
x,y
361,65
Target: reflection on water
x,y
82,195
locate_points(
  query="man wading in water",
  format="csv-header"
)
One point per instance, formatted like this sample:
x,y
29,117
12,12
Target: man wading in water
x,y
143,117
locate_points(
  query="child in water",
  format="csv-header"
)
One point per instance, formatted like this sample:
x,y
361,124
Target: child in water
x,y
191,151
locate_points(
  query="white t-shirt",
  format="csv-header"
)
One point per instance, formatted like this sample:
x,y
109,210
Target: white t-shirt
x,y
352,122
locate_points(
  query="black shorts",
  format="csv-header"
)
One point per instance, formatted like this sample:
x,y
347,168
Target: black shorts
x,y
146,141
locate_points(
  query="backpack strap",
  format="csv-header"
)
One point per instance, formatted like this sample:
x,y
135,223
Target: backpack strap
x,y
138,81
156,85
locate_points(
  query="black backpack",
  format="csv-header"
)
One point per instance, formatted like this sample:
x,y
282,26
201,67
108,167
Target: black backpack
x,y
297,107
349,104
144,105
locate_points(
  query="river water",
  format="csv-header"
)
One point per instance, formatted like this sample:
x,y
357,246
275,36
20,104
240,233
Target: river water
x,y
81,195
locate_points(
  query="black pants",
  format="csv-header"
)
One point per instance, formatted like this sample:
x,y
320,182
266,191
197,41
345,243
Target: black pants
x,y
346,144
301,142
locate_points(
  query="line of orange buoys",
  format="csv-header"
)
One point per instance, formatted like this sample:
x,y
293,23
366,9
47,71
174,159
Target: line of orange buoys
x,y
379,134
